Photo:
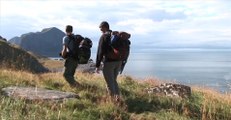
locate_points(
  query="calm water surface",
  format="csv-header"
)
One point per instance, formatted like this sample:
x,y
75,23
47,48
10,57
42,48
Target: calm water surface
x,y
205,68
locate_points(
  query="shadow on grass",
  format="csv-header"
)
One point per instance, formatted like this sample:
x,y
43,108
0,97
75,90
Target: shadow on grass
x,y
140,105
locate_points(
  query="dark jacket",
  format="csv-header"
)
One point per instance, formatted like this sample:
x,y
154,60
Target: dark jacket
x,y
103,48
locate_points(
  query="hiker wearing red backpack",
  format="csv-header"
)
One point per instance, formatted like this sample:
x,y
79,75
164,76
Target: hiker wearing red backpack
x,y
109,53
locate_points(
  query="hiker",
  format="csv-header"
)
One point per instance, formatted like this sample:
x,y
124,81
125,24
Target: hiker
x,y
71,62
111,67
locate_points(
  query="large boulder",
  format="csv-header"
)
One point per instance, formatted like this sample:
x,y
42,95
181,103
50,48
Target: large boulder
x,y
34,94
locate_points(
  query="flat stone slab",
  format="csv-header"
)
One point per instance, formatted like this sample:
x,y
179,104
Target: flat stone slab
x,y
34,93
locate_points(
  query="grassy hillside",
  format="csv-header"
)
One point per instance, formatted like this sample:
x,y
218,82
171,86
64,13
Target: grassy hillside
x,y
13,57
94,104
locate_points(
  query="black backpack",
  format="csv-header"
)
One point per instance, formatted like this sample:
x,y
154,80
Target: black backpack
x,y
74,39
119,47
81,50
84,51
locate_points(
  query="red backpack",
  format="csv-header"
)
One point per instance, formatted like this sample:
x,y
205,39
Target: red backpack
x,y
119,46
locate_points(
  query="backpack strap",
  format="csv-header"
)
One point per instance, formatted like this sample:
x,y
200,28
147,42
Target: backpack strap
x,y
79,38
70,37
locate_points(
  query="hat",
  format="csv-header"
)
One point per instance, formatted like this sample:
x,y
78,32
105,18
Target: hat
x,y
105,24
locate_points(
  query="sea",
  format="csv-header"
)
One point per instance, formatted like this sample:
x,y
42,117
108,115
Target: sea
x,y
207,68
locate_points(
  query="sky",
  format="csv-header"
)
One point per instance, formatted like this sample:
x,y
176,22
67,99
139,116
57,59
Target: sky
x,y
153,24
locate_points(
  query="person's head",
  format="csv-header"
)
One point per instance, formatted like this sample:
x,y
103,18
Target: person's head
x,y
104,26
69,29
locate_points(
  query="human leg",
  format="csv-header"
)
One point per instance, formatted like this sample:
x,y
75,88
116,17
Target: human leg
x,y
70,67
108,74
117,67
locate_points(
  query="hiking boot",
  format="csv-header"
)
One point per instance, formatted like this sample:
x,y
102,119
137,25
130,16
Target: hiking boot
x,y
76,85
119,102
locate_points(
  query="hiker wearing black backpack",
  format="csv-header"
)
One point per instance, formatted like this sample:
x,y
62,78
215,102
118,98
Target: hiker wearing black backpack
x,y
111,61
69,53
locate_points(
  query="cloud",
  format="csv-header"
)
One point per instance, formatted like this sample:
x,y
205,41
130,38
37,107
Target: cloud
x,y
159,23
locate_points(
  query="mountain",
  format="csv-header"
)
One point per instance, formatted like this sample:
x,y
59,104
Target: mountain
x,y
47,43
13,57
15,40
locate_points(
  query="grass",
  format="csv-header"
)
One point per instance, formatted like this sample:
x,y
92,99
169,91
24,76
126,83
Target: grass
x,y
95,104
51,64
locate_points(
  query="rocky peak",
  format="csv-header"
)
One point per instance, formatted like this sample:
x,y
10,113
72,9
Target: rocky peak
x,y
50,29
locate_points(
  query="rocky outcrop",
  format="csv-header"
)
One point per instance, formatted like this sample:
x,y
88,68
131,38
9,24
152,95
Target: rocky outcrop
x,y
170,89
87,68
34,94
1,38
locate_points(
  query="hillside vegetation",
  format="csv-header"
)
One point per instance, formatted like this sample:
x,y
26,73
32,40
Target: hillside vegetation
x,y
94,104
13,57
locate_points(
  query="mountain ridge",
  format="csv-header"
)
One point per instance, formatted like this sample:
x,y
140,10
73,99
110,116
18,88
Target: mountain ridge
x,y
47,43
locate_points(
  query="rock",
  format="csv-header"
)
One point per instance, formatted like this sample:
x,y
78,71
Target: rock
x,y
88,68
4,39
170,89
34,93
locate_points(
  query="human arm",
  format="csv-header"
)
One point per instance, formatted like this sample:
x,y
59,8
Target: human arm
x,y
100,52
64,50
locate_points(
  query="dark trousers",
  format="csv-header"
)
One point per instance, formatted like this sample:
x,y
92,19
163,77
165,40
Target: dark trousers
x,y
69,72
110,73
